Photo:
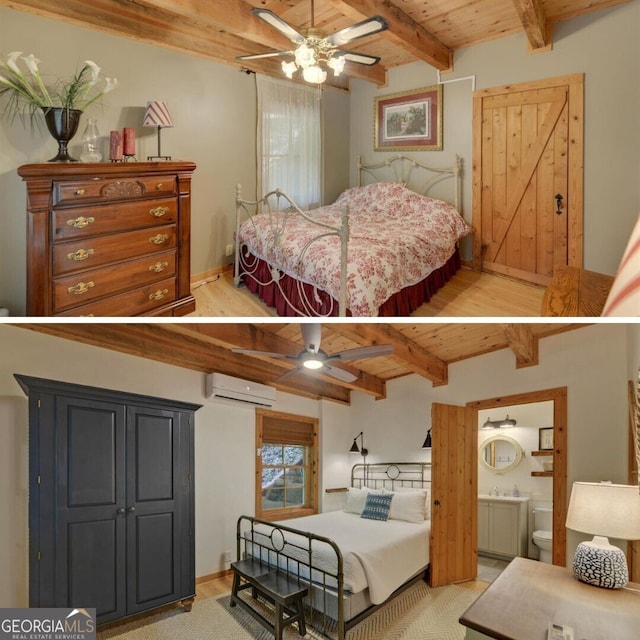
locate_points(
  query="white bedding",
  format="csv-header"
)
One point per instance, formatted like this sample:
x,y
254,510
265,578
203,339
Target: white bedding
x,y
378,555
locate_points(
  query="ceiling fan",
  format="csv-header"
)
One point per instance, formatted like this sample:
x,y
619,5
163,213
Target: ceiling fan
x,y
315,47
314,358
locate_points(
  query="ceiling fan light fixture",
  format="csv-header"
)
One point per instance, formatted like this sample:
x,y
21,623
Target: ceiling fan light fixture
x,y
289,68
336,64
314,74
313,363
305,56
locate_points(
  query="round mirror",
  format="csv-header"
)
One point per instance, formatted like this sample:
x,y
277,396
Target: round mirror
x,y
500,453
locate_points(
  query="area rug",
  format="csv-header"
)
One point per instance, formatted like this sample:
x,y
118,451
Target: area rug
x,y
420,613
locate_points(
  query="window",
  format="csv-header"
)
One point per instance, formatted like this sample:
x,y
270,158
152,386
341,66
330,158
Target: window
x,y
289,140
286,465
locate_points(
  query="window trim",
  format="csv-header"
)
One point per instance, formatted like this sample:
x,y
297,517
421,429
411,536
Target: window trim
x,y
312,480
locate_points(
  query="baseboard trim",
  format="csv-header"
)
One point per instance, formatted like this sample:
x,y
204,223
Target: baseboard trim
x,y
199,279
214,576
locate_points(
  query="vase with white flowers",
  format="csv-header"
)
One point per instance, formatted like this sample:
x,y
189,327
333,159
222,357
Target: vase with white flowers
x,y
62,102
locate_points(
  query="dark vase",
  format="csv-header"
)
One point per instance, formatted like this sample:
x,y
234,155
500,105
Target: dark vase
x,y
63,125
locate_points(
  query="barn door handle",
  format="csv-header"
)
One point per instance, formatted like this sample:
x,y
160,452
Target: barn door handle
x,y
559,200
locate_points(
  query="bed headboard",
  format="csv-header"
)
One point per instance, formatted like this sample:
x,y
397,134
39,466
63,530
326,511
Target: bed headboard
x,y
417,176
391,475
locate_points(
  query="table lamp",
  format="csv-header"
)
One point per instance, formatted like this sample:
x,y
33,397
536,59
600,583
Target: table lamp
x,y
157,115
605,510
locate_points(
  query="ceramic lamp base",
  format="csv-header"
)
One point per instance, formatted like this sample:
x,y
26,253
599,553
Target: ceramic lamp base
x,y
601,564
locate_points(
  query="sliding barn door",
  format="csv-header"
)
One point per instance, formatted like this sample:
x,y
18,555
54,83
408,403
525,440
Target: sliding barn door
x,y
528,178
454,494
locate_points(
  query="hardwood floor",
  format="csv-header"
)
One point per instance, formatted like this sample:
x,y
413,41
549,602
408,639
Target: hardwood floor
x,y
467,294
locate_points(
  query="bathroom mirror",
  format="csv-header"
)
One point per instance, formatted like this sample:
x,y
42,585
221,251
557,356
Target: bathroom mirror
x,y
500,454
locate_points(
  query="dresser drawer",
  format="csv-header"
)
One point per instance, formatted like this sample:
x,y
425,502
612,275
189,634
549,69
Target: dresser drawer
x,y
130,303
84,287
98,251
81,222
67,192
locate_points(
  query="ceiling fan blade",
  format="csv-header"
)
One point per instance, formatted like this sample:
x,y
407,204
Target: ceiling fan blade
x,y
278,23
290,373
360,58
367,27
337,373
311,336
364,352
270,54
267,354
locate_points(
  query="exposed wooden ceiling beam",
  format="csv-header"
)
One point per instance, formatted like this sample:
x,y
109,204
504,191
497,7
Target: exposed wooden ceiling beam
x,y
523,344
403,30
412,355
532,17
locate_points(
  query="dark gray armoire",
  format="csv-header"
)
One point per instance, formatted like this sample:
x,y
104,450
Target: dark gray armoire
x,y
111,499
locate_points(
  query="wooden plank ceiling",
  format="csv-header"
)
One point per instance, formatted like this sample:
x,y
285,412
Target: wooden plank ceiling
x,y
426,349
220,30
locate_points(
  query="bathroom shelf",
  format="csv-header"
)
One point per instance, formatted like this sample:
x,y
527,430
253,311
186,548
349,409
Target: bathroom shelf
x,y
542,474
548,453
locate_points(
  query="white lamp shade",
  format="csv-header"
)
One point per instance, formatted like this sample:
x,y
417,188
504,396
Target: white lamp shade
x,y
605,509
157,115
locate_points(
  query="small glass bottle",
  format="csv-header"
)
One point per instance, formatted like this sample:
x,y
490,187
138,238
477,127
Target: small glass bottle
x,y
91,143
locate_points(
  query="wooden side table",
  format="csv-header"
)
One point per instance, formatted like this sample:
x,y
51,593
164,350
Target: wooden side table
x,y
576,292
528,595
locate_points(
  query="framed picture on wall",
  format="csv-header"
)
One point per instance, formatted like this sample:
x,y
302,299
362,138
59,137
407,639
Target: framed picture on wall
x,y
409,121
545,439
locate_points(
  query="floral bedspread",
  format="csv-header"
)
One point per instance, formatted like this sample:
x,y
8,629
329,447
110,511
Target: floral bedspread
x,y
396,239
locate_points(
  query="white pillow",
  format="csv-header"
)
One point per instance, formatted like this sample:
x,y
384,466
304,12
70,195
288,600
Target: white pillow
x,y
407,505
424,496
356,499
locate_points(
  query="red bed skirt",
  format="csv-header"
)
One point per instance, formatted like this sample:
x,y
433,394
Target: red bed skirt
x,y
400,304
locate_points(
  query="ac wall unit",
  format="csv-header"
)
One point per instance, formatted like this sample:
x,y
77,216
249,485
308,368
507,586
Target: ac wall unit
x,y
221,386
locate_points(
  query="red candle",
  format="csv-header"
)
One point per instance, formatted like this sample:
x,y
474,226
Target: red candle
x,y
115,145
129,141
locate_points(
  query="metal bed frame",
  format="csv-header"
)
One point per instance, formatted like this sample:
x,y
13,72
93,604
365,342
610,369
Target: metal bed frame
x,y
402,169
328,608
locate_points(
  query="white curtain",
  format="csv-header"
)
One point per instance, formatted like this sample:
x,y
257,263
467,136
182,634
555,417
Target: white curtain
x,y
289,140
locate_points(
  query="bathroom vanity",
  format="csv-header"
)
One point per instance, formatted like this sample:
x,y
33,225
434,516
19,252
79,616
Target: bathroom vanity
x,y
502,526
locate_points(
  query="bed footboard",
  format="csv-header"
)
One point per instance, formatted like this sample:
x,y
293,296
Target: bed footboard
x,y
279,206
313,561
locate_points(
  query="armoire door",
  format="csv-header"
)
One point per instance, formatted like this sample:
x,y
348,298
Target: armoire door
x,y
157,526
454,494
90,516
528,178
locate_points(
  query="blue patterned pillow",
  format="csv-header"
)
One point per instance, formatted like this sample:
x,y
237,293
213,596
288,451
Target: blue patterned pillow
x,y
377,506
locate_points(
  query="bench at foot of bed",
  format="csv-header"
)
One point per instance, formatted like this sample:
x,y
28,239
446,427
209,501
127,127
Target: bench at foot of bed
x,y
283,591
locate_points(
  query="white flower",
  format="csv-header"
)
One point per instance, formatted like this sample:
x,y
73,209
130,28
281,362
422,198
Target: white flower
x,y
32,64
11,62
111,84
95,71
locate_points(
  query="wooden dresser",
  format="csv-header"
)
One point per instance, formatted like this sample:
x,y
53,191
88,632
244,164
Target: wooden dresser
x,y
108,239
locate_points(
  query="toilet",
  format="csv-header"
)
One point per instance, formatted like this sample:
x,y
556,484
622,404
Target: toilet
x,y
543,532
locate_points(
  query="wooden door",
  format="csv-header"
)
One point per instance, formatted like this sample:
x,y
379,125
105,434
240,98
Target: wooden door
x,y
157,525
89,519
528,178
454,494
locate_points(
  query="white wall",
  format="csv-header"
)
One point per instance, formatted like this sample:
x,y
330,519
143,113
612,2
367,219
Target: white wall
x,y
605,46
591,362
214,111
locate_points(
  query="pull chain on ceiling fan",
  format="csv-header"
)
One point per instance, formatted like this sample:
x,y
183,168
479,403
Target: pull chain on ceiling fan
x,y
315,49
313,358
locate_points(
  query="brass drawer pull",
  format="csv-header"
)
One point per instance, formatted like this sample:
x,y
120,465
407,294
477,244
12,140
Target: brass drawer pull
x,y
81,288
161,238
81,222
158,267
80,255
159,294
159,186
158,212
80,192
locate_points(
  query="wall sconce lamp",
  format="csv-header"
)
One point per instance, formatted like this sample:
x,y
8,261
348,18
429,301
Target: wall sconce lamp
x,y
157,115
361,450
427,441
499,424
607,511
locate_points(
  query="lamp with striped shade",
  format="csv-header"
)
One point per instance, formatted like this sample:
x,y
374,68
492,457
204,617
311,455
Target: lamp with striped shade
x,y
157,115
